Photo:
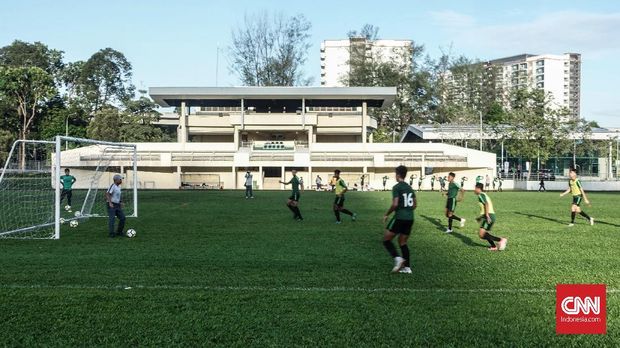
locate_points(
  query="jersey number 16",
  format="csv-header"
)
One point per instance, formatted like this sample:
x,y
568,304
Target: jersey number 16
x,y
407,200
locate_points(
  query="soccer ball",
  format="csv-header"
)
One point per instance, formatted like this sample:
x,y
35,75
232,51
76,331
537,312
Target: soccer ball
x,y
131,233
78,214
67,207
62,220
73,223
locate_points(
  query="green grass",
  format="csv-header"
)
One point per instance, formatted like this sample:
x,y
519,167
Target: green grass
x,y
210,268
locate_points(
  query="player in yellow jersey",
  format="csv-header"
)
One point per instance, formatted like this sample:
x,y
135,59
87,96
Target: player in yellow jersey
x,y
487,219
575,189
341,189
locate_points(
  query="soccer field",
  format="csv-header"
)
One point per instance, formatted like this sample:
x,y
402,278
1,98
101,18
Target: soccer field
x,y
214,269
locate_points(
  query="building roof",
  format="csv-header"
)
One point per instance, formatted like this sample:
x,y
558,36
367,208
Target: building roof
x,y
314,96
439,132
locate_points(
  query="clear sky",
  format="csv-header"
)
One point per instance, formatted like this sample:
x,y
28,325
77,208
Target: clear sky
x,y
174,43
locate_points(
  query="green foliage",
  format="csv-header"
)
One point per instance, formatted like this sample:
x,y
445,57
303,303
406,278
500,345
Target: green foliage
x,y
104,79
138,121
535,129
27,89
105,125
25,54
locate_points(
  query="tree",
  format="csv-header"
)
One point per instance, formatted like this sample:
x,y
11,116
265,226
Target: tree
x,y
25,54
104,79
368,31
533,128
138,119
28,89
270,50
105,125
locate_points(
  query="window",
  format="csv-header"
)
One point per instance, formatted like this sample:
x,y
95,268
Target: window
x,y
540,85
540,63
523,65
515,67
540,70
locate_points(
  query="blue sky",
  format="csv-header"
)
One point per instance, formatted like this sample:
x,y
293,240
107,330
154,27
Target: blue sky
x,y
174,43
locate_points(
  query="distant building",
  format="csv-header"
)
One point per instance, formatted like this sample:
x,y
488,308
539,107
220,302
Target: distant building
x,y
222,132
336,55
557,75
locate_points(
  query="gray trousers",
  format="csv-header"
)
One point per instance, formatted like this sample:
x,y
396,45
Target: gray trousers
x,y
114,212
248,191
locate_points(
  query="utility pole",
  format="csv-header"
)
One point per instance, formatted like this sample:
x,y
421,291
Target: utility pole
x,y
217,64
480,113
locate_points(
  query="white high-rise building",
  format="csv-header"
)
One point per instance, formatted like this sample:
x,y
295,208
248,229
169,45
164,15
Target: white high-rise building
x,y
557,75
336,55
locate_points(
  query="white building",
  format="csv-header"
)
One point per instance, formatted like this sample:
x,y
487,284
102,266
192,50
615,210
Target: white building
x,y
336,55
557,75
222,132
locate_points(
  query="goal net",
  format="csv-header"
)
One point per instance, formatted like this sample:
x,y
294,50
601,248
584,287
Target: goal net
x,y
45,185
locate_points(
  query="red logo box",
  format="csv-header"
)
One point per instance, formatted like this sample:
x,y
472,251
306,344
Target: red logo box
x,y
580,309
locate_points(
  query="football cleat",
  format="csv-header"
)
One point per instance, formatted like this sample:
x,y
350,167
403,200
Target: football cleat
x,y
492,249
405,270
502,243
462,223
591,221
448,230
398,264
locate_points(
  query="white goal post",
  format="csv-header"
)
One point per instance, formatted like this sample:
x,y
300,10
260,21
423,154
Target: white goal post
x,y
32,194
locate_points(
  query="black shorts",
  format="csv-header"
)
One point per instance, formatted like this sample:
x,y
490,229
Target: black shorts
x,y
577,200
400,226
339,201
451,204
294,197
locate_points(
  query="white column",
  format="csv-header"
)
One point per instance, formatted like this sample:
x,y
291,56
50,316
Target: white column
x,y
234,178
303,113
242,113
364,114
310,180
182,134
236,137
310,135
371,137
178,175
260,178
282,178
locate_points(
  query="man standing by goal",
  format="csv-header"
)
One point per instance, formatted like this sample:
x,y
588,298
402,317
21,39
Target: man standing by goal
x,y
115,207
67,182
248,185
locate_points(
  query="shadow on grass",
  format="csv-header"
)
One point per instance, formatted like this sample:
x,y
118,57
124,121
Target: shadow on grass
x,y
564,222
434,221
542,217
465,239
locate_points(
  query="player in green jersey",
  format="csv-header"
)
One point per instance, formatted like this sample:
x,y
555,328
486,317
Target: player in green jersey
x,y
67,182
574,187
293,200
403,204
487,219
452,194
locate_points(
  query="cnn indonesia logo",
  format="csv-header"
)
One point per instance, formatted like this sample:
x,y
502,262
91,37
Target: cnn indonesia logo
x,y
581,309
